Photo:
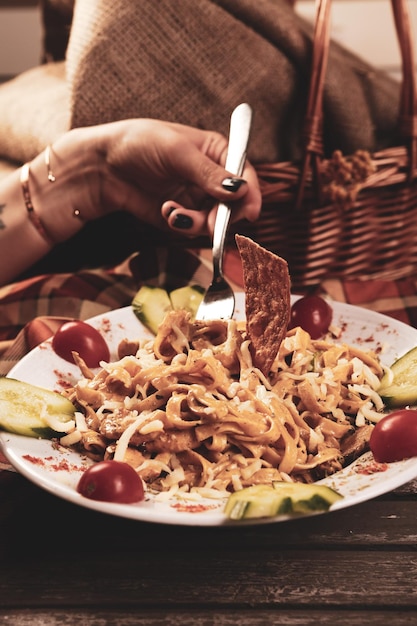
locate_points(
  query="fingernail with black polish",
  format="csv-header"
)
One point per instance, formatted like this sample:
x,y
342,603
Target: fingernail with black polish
x,y
182,221
232,184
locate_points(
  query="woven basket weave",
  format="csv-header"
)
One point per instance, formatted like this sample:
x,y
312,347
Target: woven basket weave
x,y
351,216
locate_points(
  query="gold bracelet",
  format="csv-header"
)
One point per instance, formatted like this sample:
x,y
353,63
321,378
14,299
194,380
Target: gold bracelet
x,y
51,175
33,216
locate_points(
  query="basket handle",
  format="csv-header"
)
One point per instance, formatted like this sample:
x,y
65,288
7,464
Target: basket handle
x,y
313,121
408,104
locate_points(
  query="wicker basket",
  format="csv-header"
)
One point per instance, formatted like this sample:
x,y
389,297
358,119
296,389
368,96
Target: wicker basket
x,y
351,217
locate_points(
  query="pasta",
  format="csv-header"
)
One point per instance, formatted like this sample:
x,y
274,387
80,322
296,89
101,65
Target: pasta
x,y
190,411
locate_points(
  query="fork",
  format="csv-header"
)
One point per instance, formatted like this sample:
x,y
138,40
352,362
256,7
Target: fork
x,y
219,299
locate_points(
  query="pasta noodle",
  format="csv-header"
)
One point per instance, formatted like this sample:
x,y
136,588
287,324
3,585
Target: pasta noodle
x,y
190,411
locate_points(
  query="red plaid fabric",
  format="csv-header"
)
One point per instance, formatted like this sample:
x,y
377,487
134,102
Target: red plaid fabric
x,y
32,310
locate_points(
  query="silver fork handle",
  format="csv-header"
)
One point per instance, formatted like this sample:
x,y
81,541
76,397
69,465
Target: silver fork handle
x,y
240,123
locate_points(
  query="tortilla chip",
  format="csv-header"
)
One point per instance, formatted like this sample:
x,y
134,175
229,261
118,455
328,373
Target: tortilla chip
x,y
267,300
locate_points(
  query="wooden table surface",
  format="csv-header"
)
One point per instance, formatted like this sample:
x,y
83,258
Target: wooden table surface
x,y
63,564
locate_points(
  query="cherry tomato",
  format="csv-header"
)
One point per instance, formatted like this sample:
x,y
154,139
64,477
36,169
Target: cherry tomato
x,y
313,314
111,481
394,437
80,337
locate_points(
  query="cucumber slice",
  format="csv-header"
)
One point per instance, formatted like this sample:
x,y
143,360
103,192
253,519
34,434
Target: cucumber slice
x,y
22,407
401,389
308,497
150,306
187,298
279,499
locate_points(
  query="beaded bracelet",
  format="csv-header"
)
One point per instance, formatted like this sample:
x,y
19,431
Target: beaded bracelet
x,y
33,216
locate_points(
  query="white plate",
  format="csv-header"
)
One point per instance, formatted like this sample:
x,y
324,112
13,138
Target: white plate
x,y
58,469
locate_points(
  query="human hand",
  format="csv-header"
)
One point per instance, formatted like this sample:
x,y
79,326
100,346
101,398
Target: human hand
x,y
165,172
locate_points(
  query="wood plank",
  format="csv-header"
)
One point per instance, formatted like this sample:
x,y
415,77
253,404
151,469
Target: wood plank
x,y
244,617
369,526
171,578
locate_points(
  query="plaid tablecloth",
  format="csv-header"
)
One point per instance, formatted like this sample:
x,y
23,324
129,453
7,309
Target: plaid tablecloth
x,y
31,310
